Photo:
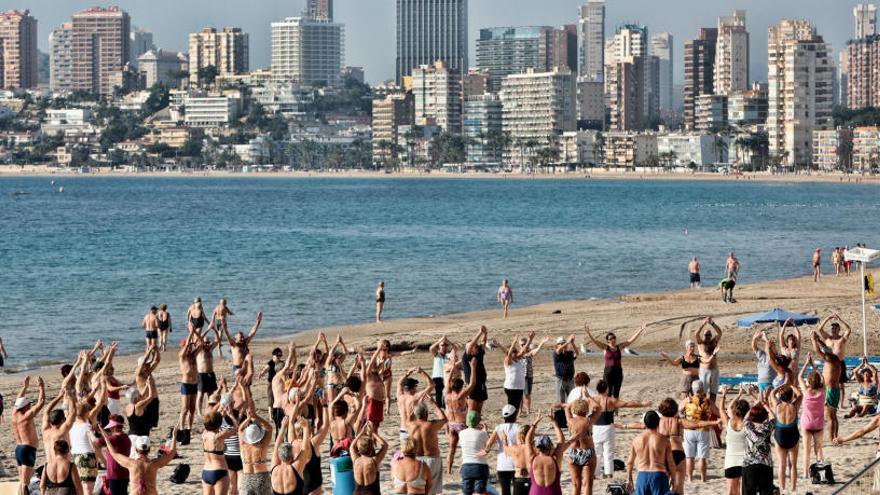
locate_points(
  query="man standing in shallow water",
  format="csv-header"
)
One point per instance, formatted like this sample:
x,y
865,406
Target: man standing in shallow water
x,y
694,271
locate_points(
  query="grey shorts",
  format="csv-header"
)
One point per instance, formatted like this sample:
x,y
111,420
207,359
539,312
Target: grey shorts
x,y
711,379
696,444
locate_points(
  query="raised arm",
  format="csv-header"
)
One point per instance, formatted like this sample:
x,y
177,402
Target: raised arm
x,y
282,434
755,337
780,335
807,363
821,329
635,336
256,326
674,362
170,455
600,345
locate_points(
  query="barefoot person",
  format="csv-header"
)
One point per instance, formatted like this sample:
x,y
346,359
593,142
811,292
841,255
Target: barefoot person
x,y
694,272
651,453
457,410
708,344
189,385
785,401
505,296
812,412
604,407
836,342
866,402
380,301
25,432
475,350
142,469
582,454
426,435
817,264
545,459
239,347
196,319
690,366
732,417
3,355
206,380
219,318
408,395
613,372
151,327
165,328
371,376
831,373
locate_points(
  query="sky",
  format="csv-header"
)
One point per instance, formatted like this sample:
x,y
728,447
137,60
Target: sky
x,y
370,27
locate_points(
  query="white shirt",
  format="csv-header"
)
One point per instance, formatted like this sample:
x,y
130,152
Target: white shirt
x,y
472,442
577,394
515,375
511,433
79,438
440,361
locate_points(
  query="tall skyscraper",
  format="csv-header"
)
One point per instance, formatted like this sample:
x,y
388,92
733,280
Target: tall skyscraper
x,y
625,52
503,51
625,86
699,71
732,54
141,43
800,73
307,51
591,40
563,46
61,58
101,46
860,79
437,94
18,49
662,48
226,50
431,30
319,9
865,15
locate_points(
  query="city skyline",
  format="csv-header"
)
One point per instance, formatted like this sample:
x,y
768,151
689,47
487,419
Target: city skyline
x,y
375,21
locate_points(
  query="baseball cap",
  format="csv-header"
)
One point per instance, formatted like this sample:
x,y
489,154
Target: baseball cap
x,y
560,340
142,444
508,411
21,403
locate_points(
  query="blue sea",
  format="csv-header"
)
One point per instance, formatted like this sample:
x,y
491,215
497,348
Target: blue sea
x,y
89,262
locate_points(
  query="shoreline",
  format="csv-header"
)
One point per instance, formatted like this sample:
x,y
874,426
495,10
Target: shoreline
x,y
591,174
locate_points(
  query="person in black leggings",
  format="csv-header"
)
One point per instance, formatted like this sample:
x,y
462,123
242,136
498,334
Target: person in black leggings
x,y
613,373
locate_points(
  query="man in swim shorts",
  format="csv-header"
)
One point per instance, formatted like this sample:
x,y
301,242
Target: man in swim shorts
x,y
831,374
25,432
151,327
651,453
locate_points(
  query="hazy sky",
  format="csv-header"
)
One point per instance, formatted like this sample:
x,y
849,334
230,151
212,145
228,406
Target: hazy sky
x,y
370,31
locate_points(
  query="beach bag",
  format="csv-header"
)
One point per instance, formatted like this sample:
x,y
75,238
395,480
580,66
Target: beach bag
x,y
821,473
184,437
617,488
619,465
180,474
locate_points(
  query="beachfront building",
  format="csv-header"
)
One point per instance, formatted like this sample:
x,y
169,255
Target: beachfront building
x,y
162,67
746,108
689,149
18,49
502,51
287,99
579,148
591,102
861,57
537,107
307,51
662,48
624,85
100,48
227,51
732,54
389,113
61,58
431,30
481,123
866,148
629,149
209,111
630,69
711,113
699,71
832,149
591,40
801,90
436,93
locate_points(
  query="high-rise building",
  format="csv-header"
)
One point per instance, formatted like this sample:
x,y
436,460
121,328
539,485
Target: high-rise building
x,y
625,86
662,48
503,51
319,9
474,83
141,43
226,50
431,30
699,71
18,49
800,90
591,40
590,102
437,96
61,58
711,113
865,15
389,113
860,73
307,51
481,120
732,54
843,79
625,51
537,107
162,67
101,46
748,107
563,48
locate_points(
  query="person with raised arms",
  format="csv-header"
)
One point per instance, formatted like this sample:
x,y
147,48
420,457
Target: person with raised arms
x,y
25,431
142,469
239,347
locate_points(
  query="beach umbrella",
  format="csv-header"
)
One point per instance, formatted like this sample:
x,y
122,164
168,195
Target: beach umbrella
x,y
777,315
863,256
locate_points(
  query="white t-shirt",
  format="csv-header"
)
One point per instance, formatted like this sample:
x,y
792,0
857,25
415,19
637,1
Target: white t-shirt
x,y
472,442
511,432
515,375
440,361
79,438
578,394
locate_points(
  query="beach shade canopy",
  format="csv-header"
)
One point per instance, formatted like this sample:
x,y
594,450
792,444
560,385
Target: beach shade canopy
x,y
777,315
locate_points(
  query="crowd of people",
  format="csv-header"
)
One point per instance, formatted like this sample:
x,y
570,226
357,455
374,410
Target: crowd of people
x,y
329,402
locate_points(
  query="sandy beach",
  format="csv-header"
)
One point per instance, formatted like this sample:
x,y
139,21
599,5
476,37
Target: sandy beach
x,y
586,174
646,377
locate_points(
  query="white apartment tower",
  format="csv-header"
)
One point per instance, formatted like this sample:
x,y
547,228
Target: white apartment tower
x,y
865,15
662,48
732,54
61,58
307,51
801,89
591,40
437,95
431,30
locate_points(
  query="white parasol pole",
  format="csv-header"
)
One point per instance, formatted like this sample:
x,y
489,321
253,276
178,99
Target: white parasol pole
x,y
864,312
863,256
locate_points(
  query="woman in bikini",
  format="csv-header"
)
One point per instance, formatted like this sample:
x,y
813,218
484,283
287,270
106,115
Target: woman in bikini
x,y
215,474
582,454
790,345
733,416
366,460
456,410
410,475
287,469
785,400
334,372
255,434
812,412
690,367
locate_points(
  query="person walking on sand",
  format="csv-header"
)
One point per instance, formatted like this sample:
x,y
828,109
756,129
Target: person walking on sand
x,y
817,262
505,296
151,327
380,300
694,271
164,318
25,432
651,453
837,260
